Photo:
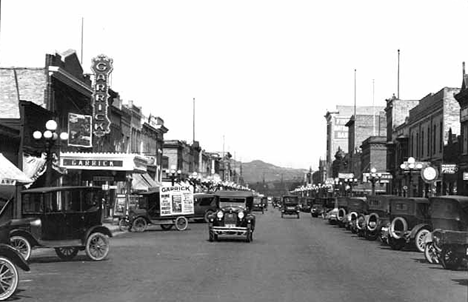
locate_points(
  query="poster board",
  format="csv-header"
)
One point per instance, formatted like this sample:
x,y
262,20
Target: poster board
x,y
124,202
176,200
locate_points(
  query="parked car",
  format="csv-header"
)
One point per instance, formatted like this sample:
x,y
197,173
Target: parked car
x,y
67,219
233,216
355,218
341,203
306,204
410,222
378,218
10,259
448,243
317,208
290,205
204,205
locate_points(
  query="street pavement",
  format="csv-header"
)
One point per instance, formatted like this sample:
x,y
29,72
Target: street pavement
x,y
289,259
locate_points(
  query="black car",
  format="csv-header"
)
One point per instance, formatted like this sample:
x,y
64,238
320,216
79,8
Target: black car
x,y
233,216
204,205
290,205
67,219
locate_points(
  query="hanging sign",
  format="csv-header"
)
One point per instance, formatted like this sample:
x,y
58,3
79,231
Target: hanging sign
x,y
102,67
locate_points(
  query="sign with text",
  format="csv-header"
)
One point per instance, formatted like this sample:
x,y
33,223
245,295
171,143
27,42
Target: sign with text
x,y
102,67
79,130
176,200
449,168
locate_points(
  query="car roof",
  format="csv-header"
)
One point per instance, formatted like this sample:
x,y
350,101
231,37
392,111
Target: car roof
x,y
225,193
411,199
463,200
203,195
55,189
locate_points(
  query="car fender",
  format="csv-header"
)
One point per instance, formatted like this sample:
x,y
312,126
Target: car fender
x,y
418,227
27,235
14,256
96,229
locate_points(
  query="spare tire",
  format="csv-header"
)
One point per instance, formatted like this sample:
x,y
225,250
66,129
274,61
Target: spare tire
x,y
341,214
373,222
398,227
353,215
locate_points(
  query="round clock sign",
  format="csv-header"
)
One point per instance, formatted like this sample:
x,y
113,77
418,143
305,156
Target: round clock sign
x,y
429,174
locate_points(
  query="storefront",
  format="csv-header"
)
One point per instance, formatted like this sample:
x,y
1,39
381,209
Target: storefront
x,y
118,173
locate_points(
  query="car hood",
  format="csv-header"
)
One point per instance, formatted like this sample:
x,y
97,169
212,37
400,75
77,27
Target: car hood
x,y
232,209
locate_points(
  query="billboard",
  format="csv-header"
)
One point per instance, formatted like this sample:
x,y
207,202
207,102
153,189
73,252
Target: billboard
x,y
79,130
176,200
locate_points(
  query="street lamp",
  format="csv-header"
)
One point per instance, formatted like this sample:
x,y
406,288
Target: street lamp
x,y
194,179
373,178
174,174
409,166
50,137
350,182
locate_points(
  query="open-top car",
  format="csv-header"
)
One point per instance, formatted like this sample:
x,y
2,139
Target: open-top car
x,y
378,218
290,205
233,216
448,242
410,222
67,219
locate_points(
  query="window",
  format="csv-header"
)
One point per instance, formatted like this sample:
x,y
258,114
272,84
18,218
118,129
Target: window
x,y
401,206
465,138
422,143
31,203
434,140
428,140
441,142
417,144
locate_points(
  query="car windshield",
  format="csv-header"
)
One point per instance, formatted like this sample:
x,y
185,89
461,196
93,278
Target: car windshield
x,y
231,202
290,201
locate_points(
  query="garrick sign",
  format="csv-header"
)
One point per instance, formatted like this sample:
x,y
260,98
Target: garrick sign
x,y
102,67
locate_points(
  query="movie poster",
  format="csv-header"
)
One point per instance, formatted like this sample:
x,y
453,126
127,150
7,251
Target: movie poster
x,y
79,130
176,200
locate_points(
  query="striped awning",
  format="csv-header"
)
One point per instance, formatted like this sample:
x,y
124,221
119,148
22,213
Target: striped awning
x,y
144,182
10,174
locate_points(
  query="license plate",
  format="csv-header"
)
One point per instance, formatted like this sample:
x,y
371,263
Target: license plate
x,y
230,225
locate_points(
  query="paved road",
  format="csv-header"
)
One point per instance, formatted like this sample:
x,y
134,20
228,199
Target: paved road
x,y
289,260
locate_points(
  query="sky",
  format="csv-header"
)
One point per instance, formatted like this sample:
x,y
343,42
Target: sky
x,y
263,73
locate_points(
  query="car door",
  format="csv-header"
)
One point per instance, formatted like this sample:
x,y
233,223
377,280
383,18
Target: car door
x,y
53,219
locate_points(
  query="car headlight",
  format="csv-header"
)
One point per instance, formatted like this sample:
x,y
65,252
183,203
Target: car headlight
x,y
36,222
220,214
240,215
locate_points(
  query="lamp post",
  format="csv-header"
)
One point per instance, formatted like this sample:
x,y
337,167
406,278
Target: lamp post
x,y
350,182
194,180
50,137
174,174
409,166
373,178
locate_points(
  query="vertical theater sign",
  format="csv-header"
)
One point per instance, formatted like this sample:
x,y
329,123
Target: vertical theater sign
x,y
102,67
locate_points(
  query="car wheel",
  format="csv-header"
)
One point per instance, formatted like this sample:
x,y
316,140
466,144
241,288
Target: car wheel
x,y
181,223
420,239
97,246
139,224
430,253
208,213
66,253
123,224
371,236
8,278
401,224
22,245
450,259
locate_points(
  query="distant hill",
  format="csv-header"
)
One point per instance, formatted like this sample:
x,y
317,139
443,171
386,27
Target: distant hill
x,y
257,171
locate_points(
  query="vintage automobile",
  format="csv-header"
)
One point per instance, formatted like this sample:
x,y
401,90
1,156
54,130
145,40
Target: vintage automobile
x,y
306,204
204,205
317,208
148,212
258,204
10,259
410,222
355,218
448,242
290,205
341,203
233,216
68,219
378,218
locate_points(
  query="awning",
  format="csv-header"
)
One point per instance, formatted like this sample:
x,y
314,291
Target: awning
x,y
10,174
144,182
